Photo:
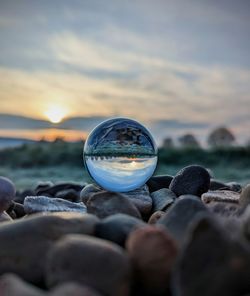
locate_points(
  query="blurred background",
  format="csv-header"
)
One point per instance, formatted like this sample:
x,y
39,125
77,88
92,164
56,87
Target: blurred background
x,y
181,67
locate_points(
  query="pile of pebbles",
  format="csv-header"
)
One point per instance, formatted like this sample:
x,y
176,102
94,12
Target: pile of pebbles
x,y
185,235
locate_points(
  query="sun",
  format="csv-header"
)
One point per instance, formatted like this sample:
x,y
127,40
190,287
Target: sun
x,y
55,114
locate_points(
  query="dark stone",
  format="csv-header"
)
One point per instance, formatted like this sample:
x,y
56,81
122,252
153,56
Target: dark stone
x,y
153,253
90,261
53,190
105,203
20,196
7,193
211,263
25,242
193,179
87,191
69,194
43,186
158,182
19,210
234,186
244,200
116,228
162,199
218,185
180,216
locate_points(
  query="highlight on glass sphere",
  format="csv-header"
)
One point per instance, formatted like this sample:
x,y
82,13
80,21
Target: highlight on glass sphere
x,y
120,154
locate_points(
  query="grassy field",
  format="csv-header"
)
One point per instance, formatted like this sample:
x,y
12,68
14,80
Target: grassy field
x,y
57,162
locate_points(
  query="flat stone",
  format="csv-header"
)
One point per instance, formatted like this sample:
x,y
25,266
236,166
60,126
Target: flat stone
x,y
7,193
116,228
106,203
73,289
193,179
244,200
181,215
141,199
221,195
211,263
153,253
162,199
25,242
36,204
158,182
90,261
12,285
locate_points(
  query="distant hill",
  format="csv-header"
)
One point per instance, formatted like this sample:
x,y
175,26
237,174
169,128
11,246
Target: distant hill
x,y
13,142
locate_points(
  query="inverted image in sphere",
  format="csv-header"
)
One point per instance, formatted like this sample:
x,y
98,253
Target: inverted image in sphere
x,y
120,154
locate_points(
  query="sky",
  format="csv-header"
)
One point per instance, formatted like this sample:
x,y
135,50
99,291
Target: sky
x,y
175,65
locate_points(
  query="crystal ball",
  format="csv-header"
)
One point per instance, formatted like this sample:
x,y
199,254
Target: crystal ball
x,y
120,154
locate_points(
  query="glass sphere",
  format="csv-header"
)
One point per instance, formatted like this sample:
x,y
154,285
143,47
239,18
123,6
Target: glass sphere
x,y
120,154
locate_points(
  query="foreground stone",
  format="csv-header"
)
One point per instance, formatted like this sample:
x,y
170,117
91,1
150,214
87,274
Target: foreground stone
x,y
116,228
180,216
12,285
193,179
212,264
7,193
90,261
36,204
25,242
105,203
153,253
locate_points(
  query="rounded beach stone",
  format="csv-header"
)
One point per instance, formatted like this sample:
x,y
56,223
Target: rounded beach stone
x,y
106,203
12,285
7,193
90,261
69,194
244,200
116,228
193,179
25,242
162,199
155,217
153,253
87,191
158,182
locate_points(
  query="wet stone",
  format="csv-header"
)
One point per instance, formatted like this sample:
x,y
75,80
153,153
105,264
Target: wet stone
x,y
220,265
158,182
221,196
116,228
105,203
7,193
36,204
90,261
193,179
162,199
181,215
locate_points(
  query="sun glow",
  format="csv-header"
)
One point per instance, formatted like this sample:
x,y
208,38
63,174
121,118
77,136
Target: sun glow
x,y
55,114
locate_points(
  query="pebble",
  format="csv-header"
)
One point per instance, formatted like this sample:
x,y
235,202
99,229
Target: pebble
x,y
87,191
217,185
105,203
211,263
155,217
90,261
36,204
181,215
221,196
25,242
12,285
7,193
224,209
141,199
162,199
244,200
158,182
153,253
69,194
116,228
73,289
53,190
193,179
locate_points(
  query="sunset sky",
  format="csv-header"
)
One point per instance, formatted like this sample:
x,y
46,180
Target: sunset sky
x,y
172,64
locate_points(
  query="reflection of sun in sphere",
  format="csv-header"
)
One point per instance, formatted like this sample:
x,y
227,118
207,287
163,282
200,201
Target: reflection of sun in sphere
x,y
120,154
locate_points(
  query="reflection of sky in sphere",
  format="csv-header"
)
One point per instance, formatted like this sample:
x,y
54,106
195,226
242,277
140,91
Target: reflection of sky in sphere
x,y
121,173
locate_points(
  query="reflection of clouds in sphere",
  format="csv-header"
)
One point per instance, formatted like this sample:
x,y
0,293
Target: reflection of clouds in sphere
x,y
120,154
